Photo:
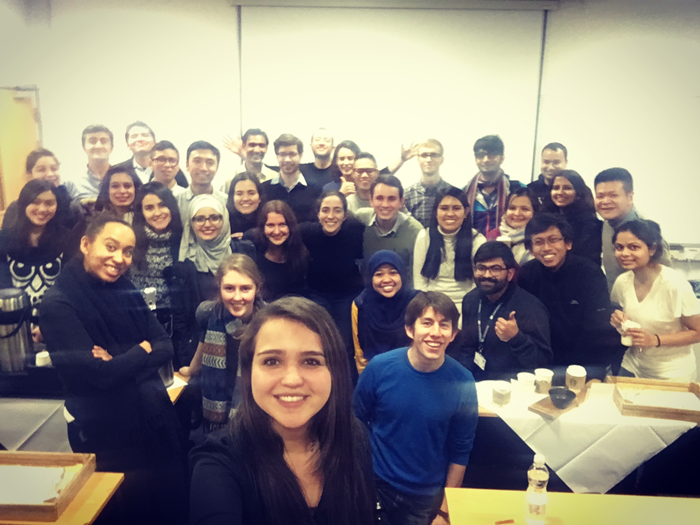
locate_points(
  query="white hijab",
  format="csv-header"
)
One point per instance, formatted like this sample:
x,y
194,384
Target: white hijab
x,y
206,255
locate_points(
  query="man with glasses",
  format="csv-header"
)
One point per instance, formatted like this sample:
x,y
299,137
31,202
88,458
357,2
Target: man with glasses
x,y
202,164
421,195
488,190
290,185
575,292
140,139
364,174
505,330
165,161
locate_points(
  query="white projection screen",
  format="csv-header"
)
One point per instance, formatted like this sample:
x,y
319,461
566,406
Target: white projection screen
x,y
383,77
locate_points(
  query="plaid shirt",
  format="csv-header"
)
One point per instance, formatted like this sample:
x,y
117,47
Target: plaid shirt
x,y
419,200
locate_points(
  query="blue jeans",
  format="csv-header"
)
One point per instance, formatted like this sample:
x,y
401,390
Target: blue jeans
x,y
407,509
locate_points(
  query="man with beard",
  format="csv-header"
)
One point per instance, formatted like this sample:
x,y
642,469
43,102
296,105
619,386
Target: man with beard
x,y
253,147
505,330
488,190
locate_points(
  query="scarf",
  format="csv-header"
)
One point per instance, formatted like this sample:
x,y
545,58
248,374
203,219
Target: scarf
x,y
381,323
206,255
502,186
220,344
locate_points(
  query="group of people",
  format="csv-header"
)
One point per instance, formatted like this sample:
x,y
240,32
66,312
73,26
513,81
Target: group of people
x,y
285,287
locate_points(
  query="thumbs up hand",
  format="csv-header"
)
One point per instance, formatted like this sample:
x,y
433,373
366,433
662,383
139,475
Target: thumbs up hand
x,y
346,187
506,329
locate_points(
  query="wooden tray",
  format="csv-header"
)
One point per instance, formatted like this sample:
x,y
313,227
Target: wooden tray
x,y
630,409
52,509
545,408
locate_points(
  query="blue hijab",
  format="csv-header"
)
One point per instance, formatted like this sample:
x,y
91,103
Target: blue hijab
x,y
380,320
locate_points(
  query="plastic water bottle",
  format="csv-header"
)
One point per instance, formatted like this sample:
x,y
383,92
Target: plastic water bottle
x,y
536,495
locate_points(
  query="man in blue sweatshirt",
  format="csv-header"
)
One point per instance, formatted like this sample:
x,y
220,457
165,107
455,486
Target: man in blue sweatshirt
x,y
421,410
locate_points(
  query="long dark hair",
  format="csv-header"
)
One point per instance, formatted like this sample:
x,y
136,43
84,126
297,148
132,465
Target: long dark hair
x,y
463,244
584,203
649,232
347,144
53,237
139,223
295,252
103,203
334,426
235,216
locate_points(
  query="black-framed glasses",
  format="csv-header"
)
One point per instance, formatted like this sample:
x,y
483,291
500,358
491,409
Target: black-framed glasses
x,y
166,160
549,240
481,269
432,155
213,219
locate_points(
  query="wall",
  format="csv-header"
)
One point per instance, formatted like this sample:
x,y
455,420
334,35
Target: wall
x,y
621,87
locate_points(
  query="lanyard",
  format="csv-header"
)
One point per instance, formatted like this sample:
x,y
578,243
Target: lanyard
x,y
482,336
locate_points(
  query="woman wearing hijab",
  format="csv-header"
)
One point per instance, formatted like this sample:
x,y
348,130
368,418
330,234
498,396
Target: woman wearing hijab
x,y
107,348
378,323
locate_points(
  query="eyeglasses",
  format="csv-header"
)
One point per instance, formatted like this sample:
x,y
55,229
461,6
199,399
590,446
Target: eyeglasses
x,y
430,155
365,171
213,219
551,241
480,269
166,160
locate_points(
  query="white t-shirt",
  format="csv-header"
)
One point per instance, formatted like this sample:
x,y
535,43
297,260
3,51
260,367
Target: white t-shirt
x,y
670,297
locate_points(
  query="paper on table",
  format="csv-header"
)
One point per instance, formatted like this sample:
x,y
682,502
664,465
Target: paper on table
x,y
30,485
177,383
661,398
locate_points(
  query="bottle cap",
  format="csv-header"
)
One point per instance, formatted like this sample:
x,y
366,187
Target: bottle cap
x,y
539,460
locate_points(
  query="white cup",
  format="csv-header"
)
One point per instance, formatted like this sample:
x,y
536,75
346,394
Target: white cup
x,y
43,358
626,339
575,377
543,380
501,393
526,381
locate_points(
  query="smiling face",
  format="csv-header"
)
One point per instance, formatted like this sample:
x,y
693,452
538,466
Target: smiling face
x,y
121,191
290,379
42,209
519,212
202,166
612,201
207,223
47,168
165,164
255,148
346,162
430,159
631,252
386,202
386,281
238,294
492,276
289,159
322,144
489,164
553,162
246,198
365,172
156,213
276,229
140,140
451,214
97,146
563,192
431,333
109,256
331,215
549,247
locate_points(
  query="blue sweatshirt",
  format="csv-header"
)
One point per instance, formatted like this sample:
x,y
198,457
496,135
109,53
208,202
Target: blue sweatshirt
x,y
419,422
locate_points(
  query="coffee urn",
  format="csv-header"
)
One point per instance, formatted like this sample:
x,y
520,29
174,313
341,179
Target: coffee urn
x,y
15,329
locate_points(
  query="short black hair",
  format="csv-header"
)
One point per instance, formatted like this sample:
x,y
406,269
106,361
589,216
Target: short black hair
x,y
544,221
554,146
387,180
141,125
203,144
494,250
364,155
97,128
163,145
438,301
615,174
491,144
649,232
253,132
98,223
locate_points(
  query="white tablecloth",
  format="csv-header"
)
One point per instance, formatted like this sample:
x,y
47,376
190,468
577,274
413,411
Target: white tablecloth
x,y
592,447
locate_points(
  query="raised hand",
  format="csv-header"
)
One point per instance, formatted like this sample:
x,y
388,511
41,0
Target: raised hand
x,y
235,146
346,187
506,329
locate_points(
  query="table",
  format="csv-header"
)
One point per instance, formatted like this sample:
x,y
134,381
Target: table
x,y
87,504
486,507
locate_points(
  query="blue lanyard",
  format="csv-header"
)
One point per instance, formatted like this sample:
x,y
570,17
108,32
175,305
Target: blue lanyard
x,y
482,337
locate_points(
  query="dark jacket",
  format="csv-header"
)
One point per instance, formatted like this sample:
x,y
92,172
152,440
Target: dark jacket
x,y
529,349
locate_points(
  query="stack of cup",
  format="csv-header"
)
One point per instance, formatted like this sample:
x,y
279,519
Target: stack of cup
x,y
526,381
575,378
543,380
501,393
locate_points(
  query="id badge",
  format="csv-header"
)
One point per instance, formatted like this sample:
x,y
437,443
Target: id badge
x,y
480,360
